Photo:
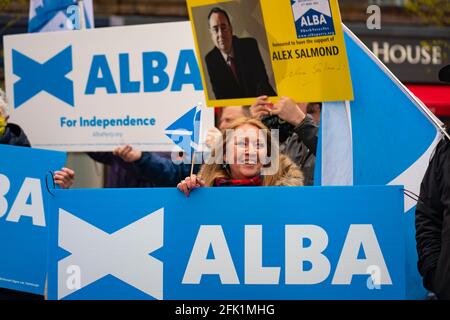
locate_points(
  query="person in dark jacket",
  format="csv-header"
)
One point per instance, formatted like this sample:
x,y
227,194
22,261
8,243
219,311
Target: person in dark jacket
x,y
121,174
235,66
433,217
162,171
433,223
11,133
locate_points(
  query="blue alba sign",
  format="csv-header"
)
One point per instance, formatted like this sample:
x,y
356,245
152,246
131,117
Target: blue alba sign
x,y
228,243
24,216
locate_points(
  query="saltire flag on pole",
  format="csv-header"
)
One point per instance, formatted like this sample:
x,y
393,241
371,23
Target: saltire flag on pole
x,y
57,15
185,132
386,136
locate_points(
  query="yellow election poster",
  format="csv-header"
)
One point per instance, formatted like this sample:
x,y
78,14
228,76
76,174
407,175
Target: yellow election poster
x,y
249,48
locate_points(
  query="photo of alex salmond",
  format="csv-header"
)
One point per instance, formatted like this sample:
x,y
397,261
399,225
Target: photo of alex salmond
x,y
235,66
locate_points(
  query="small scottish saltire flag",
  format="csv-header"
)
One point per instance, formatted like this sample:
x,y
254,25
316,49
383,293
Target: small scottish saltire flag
x,y
32,83
185,132
57,15
384,137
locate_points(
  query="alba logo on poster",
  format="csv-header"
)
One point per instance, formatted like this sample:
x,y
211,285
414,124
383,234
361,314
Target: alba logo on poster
x,y
312,18
124,254
28,201
304,245
52,76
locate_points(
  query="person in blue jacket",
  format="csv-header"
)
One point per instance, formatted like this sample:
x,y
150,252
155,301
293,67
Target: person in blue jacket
x,y
121,174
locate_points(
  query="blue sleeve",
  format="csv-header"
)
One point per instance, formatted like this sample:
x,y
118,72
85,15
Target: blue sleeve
x,y
162,170
102,157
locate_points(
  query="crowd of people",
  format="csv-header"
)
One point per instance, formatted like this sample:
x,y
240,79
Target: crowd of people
x,y
132,168
291,160
239,148
293,152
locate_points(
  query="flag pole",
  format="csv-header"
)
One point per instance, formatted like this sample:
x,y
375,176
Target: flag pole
x,y
82,18
192,163
196,142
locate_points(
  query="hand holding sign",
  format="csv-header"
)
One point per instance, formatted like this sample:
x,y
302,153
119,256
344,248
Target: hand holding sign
x,y
127,153
261,107
64,178
286,109
189,184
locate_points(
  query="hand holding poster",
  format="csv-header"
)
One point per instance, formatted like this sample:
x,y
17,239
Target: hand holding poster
x,y
275,48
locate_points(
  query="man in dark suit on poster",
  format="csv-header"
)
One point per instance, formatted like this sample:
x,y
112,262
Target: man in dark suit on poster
x,y
235,66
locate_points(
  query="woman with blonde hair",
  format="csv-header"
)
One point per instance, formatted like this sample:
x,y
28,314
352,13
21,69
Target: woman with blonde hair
x,y
247,155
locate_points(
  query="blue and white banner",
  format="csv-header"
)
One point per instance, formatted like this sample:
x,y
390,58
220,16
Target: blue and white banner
x,y
24,216
58,15
92,90
384,137
227,243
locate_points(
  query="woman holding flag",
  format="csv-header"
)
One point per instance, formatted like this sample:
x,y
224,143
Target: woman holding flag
x,y
239,160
